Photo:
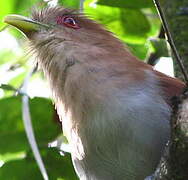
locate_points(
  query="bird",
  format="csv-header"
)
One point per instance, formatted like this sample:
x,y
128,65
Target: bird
x,y
115,109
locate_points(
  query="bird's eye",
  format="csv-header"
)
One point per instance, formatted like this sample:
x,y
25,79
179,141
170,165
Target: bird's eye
x,y
67,21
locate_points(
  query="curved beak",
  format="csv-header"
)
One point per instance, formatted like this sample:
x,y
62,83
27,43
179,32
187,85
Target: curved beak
x,y
24,24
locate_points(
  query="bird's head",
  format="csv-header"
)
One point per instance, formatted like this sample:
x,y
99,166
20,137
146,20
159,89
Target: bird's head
x,y
58,31
70,45
58,25
60,37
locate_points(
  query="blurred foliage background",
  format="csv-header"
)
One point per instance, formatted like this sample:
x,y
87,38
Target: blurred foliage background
x,y
133,21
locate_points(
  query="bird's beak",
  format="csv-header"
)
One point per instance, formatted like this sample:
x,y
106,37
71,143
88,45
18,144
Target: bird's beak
x,y
24,24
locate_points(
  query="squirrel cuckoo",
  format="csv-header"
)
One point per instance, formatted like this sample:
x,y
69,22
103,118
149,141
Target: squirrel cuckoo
x,y
115,109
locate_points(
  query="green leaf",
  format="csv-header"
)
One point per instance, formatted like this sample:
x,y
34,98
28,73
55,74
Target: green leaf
x,y
139,50
25,7
7,7
127,3
70,3
6,55
57,167
160,47
16,7
11,125
18,79
20,169
135,24
129,25
12,156
132,25
42,114
15,152
7,87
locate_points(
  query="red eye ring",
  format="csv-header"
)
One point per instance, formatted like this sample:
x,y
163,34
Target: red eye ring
x,y
67,21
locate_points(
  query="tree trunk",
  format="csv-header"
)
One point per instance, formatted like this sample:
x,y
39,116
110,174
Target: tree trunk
x,y
174,163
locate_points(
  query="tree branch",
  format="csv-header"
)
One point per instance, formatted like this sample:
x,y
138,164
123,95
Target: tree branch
x,y
174,163
28,125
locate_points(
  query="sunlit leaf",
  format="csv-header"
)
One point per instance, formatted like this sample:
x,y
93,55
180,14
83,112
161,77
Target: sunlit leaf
x,y
140,50
70,3
6,55
18,80
12,156
7,7
25,7
127,3
128,24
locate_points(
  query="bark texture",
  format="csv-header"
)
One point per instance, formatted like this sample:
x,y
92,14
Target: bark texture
x,y
174,163
179,146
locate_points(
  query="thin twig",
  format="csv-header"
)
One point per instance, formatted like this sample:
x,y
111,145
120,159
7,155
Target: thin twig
x,y
170,39
28,125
